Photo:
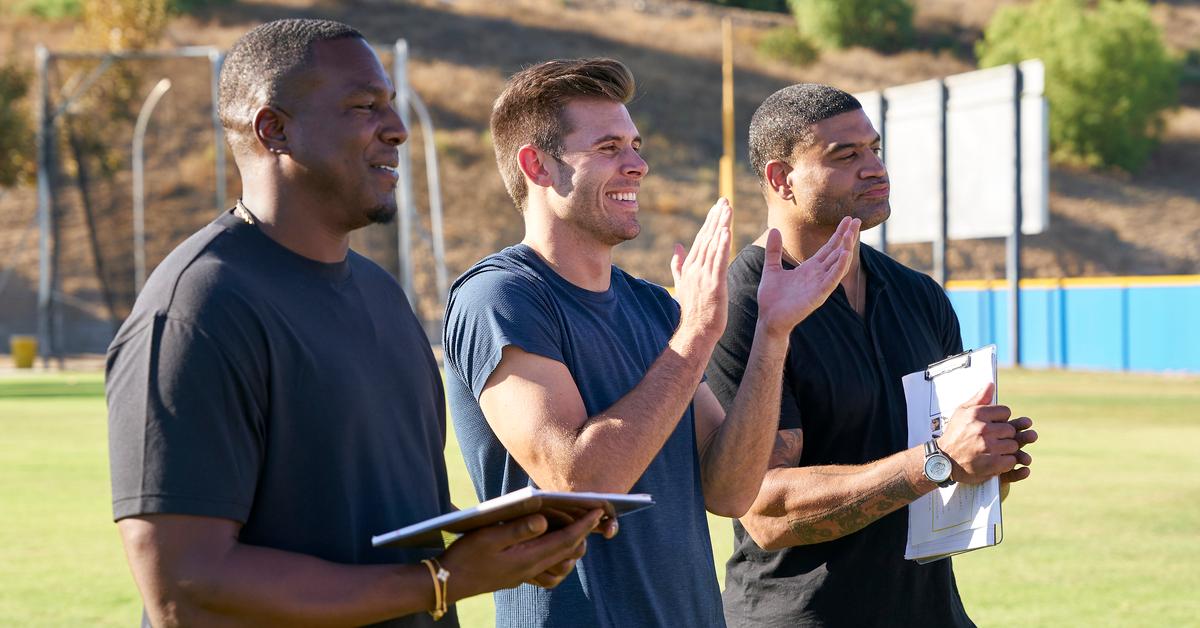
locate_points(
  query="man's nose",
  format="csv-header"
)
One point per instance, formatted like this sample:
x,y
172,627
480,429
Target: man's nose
x,y
393,131
635,165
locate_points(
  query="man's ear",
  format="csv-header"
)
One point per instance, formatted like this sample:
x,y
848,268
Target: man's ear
x,y
269,129
532,161
776,175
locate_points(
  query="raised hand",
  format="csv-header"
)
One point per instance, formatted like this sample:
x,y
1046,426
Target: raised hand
x,y
699,276
787,297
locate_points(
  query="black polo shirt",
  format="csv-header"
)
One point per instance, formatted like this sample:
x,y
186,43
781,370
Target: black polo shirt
x,y
842,386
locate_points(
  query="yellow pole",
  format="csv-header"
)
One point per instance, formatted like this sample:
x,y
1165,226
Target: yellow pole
x,y
725,170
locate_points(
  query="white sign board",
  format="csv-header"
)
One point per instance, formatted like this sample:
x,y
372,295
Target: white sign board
x,y
980,154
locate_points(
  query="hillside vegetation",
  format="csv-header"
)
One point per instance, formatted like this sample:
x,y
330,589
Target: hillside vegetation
x,y
1103,223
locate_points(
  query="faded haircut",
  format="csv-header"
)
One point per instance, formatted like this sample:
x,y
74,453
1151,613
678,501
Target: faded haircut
x,y
784,121
531,109
262,66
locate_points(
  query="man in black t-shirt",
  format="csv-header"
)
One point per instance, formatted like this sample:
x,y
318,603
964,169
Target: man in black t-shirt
x,y
273,401
823,545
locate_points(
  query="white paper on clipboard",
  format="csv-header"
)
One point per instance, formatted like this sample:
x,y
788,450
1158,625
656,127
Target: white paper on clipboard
x,y
960,517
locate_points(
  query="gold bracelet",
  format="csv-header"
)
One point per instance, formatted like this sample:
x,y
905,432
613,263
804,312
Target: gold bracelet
x,y
441,579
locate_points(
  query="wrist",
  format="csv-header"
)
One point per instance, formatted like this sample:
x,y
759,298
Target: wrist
x,y
693,343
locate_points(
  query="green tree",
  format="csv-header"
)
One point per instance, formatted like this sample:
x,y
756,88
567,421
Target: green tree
x,y
885,25
1109,76
16,134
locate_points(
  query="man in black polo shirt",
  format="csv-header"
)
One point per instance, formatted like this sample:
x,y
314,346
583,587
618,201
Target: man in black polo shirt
x,y
823,544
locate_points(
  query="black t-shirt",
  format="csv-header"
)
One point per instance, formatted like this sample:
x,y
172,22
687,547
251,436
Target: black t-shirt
x,y
842,387
296,397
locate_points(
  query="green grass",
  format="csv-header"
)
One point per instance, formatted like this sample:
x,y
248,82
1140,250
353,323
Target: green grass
x,y
1105,533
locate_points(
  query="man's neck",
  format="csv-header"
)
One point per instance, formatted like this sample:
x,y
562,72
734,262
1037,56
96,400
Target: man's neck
x,y
802,240
574,256
295,225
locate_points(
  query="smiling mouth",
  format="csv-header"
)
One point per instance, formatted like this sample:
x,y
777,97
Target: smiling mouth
x,y
629,197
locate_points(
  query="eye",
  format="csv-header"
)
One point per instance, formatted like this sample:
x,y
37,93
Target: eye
x,y
878,150
847,157
369,106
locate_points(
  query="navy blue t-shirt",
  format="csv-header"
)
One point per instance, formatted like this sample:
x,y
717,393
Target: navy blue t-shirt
x,y
658,571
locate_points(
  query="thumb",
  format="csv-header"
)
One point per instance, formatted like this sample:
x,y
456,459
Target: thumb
x,y
982,397
774,257
677,262
518,531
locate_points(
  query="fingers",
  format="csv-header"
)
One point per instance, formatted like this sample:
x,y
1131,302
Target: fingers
x,y
1023,458
609,527
704,236
1016,475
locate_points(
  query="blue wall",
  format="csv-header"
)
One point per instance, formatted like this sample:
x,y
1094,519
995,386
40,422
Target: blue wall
x,y
1123,324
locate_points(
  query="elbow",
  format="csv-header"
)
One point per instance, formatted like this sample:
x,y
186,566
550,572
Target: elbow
x,y
765,532
731,506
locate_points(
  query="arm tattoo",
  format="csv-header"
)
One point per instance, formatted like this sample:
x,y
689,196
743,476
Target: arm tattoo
x,y
830,521
788,445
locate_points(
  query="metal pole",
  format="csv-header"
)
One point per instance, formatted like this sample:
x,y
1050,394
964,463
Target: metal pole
x,y
939,241
216,58
404,191
1014,240
139,199
883,108
435,193
44,201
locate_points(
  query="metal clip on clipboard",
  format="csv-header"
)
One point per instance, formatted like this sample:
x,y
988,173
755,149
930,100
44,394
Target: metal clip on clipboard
x,y
952,363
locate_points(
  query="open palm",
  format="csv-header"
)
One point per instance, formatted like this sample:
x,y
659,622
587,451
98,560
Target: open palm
x,y
786,297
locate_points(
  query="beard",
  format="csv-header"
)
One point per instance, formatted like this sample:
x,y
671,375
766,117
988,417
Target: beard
x,y
381,214
829,211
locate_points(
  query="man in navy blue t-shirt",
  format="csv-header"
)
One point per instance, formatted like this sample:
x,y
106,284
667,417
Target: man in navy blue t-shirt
x,y
567,373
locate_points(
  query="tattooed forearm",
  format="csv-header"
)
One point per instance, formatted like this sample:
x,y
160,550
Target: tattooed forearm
x,y
835,520
788,445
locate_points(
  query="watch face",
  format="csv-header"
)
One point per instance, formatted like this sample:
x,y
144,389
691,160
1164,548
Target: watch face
x,y
937,468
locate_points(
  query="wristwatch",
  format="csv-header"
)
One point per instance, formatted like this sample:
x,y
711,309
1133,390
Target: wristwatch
x,y
937,465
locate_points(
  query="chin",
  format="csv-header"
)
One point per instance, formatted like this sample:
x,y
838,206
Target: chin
x,y
874,215
381,214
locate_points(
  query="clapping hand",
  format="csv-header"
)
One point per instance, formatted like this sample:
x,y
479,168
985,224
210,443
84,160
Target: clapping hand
x,y
787,297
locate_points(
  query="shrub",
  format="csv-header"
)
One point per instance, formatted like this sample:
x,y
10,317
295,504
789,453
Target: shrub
x,y
885,25
787,44
1109,77
16,134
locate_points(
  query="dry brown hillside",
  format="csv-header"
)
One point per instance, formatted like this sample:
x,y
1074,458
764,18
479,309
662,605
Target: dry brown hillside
x,y
462,50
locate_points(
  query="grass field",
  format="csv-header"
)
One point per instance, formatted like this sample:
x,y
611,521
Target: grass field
x,y
1105,533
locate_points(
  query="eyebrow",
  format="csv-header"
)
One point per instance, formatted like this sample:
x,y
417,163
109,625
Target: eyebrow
x,y
372,90
843,146
611,138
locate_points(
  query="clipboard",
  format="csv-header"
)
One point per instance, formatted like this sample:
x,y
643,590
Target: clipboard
x,y
961,517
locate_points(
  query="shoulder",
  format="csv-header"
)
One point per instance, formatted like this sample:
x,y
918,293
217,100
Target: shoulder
x,y
644,290
745,272
903,277
502,277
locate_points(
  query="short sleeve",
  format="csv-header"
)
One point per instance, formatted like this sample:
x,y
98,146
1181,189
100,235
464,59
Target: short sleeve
x,y
490,310
185,436
950,332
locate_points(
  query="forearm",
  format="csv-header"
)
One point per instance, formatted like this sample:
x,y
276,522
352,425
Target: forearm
x,y
735,457
250,585
612,449
806,505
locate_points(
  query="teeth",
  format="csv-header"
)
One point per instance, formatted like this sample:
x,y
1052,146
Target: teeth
x,y
623,196
388,168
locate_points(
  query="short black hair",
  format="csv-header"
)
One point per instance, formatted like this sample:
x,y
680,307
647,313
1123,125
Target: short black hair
x,y
258,67
784,120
